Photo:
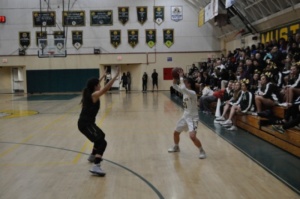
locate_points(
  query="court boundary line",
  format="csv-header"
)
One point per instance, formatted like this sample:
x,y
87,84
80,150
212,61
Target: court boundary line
x,y
154,189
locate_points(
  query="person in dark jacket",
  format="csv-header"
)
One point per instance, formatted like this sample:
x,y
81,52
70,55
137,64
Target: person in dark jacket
x,y
124,81
266,96
145,81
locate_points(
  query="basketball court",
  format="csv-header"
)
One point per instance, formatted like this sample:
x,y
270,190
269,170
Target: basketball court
x,y
45,156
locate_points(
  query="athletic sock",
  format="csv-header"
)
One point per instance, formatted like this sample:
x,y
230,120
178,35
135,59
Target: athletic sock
x,y
201,149
97,160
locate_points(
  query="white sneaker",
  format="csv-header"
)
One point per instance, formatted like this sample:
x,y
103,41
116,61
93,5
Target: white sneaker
x,y
220,119
226,123
284,104
202,154
232,128
96,169
174,149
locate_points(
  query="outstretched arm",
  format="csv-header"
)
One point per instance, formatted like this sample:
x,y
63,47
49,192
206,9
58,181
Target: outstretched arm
x,y
103,76
98,94
181,88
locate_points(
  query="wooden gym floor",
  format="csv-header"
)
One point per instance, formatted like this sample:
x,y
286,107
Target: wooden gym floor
x,y
43,155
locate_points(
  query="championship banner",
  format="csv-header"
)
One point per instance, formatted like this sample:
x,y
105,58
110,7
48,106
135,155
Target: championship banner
x,y
59,41
46,19
123,14
74,18
142,14
201,17
115,38
40,35
168,37
133,37
24,39
101,17
159,14
176,13
151,37
77,39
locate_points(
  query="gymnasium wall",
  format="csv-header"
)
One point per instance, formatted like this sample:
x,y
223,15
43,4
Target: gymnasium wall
x,y
5,80
191,44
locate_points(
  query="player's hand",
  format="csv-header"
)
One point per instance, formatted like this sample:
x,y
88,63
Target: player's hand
x,y
180,73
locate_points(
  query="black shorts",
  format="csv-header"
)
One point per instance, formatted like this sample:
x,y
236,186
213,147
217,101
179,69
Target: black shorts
x,y
91,131
155,83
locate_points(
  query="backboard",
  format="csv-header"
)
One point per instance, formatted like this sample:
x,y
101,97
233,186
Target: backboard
x,y
51,48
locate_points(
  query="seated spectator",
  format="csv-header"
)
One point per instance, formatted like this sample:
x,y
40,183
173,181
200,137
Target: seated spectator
x,y
227,104
266,96
241,106
293,87
254,82
292,118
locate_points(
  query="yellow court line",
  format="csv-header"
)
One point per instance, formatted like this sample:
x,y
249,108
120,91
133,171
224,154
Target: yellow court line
x,y
85,145
9,150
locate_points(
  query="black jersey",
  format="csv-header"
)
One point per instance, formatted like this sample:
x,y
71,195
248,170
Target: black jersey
x,y
245,101
270,91
89,111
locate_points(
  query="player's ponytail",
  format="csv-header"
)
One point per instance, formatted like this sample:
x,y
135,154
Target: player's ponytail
x,y
89,89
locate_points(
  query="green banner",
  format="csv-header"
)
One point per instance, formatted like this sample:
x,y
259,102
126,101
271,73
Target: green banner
x,y
168,37
123,14
159,14
133,37
142,14
115,38
151,37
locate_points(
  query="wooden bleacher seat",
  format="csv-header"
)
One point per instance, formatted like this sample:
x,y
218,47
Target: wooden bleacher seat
x,y
289,141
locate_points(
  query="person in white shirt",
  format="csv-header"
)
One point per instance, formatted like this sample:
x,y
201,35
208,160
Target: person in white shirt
x,y
190,118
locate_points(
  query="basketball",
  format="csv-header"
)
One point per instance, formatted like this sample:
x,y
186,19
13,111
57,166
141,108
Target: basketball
x,y
175,74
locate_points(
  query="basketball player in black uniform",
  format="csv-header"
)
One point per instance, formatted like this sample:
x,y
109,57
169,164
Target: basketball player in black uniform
x,y
86,123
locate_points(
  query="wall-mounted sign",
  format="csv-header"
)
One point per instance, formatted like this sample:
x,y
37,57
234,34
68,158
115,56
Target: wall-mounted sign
x,y
176,13
45,18
159,14
24,39
77,38
123,14
101,17
142,14
150,37
59,41
283,32
74,18
168,35
133,37
115,38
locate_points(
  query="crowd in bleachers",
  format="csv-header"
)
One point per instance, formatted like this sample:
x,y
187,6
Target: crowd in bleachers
x,y
252,80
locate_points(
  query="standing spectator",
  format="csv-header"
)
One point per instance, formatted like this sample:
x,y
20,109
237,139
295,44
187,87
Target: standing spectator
x,y
145,81
124,81
154,80
129,81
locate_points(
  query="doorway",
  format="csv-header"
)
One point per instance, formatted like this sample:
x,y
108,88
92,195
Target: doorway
x,y
12,79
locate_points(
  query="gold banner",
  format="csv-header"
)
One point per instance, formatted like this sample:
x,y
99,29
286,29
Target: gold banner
x,y
201,17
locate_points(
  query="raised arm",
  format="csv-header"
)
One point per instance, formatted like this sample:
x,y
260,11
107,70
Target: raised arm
x,y
181,88
98,94
103,76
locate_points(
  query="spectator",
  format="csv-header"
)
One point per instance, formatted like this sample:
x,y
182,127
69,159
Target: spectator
x,y
145,81
154,80
129,81
241,106
124,81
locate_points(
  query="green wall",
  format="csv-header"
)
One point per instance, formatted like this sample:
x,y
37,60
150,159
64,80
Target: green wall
x,y
73,80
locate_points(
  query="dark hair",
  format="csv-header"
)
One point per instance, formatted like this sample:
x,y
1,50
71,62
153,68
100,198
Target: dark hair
x,y
89,89
192,83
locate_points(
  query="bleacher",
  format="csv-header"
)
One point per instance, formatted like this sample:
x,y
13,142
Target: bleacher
x,y
289,141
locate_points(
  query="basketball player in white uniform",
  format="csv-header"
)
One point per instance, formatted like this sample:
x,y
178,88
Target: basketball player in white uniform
x,y
190,118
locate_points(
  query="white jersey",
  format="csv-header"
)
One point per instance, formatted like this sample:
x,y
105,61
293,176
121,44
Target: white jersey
x,y
189,100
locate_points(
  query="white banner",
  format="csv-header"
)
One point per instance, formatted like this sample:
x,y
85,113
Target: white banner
x,y
208,12
215,7
229,3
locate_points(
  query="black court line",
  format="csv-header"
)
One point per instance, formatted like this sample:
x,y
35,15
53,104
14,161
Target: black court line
x,y
157,192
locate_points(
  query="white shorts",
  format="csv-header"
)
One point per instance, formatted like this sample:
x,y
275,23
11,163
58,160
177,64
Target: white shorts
x,y
187,124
